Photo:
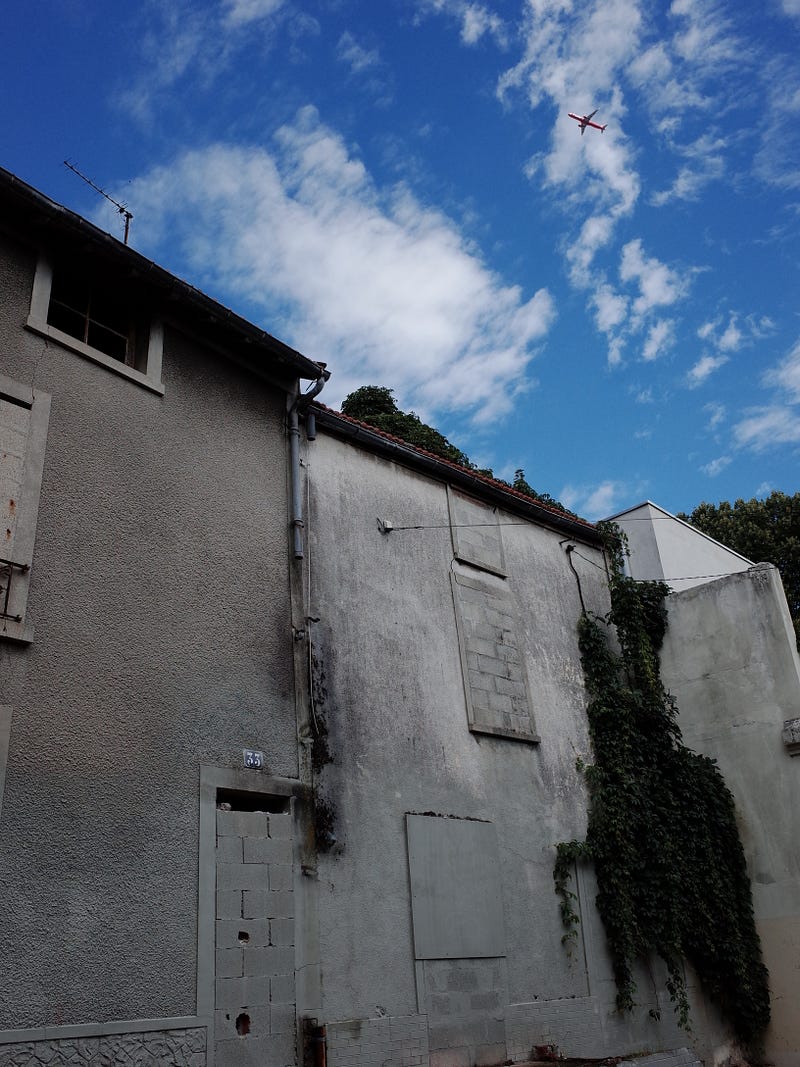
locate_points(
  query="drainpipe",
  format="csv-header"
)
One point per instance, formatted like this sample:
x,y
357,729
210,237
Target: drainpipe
x,y
300,401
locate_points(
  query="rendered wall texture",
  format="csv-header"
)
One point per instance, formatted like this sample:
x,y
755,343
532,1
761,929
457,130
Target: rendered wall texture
x,y
394,706
160,598
731,662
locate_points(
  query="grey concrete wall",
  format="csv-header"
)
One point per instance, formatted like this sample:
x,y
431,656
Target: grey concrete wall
x,y
731,661
161,605
391,697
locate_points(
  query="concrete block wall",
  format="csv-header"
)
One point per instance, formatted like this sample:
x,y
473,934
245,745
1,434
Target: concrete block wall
x,y
254,1016
390,1041
172,1048
466,1002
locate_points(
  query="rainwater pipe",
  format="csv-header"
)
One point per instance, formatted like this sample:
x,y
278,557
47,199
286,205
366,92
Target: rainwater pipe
x,y
300,401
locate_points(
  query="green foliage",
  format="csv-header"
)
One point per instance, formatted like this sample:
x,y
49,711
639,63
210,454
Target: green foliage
x,y
765,531
375,405
671,872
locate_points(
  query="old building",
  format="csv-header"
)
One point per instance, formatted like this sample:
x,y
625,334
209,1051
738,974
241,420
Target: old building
x,y
289,710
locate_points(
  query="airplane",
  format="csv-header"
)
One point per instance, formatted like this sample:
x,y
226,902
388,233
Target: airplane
x,y
584,121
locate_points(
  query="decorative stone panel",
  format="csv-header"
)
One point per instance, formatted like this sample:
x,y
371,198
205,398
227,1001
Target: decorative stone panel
x,y
168,1048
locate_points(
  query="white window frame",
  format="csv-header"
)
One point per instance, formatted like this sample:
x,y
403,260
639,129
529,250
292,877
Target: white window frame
x,y
37,322
38,403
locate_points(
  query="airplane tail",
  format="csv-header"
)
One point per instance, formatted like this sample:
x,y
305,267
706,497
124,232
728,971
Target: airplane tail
x,y
602,128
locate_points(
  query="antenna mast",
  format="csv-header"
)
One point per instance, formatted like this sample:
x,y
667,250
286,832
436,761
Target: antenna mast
x,y
121,208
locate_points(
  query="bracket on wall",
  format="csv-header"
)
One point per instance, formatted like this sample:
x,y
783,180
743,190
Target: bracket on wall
x,y
7,568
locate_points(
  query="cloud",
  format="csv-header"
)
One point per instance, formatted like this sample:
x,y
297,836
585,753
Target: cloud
x,y
716,466
241,12
475,19
660,338
594,502
765,427
659,285
706,164
703,369
777,160
786,375
716,414
367,278
358,58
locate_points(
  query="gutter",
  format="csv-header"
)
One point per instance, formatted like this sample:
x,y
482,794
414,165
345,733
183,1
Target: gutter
x,y
393,448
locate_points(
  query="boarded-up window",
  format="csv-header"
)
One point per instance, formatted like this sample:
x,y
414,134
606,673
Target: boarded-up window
x,y
456,898
23,434
476,533
489,635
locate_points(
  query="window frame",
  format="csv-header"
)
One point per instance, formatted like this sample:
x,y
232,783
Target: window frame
x,y
38,403
150,378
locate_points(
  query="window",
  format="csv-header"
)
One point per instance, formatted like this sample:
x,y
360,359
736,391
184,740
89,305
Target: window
x,y
99,319
24,416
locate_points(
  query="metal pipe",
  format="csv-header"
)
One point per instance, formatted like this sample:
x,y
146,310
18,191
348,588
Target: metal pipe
x,y
301,400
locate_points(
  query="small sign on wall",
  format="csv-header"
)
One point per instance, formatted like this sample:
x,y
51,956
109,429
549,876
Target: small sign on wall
x,y
253,761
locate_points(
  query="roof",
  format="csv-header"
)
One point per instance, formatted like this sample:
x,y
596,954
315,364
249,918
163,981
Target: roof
x,y
30,214
680,522
480,485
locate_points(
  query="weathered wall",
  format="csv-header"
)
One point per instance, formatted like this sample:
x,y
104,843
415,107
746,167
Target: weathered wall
x,y
160,600
731,662
391,696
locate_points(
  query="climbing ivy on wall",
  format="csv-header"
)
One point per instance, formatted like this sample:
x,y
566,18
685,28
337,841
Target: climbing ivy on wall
x,y
662,831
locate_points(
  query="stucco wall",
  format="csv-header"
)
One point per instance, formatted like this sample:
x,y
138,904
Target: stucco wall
x,y
391,696
160,600
731,662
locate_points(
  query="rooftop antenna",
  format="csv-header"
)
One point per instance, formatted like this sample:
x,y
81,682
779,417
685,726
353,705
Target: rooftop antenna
x,y
121,208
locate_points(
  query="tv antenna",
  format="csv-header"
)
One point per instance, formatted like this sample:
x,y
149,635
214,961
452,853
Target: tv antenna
x,y
121,208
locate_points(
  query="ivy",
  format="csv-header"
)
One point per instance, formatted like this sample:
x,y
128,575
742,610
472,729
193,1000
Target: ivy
x,y
662,834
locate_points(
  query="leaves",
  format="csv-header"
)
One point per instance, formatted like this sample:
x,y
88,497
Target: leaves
x,y
671,871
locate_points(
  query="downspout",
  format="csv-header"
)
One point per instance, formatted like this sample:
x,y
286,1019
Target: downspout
x,y
301,400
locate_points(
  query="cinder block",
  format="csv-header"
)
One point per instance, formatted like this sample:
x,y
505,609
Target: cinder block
x,y
280,826
451,1057
269,961
242,824
225,1022
280,877
277,1051
281,988
254,903
486,1055
241,992
263,850
283,1018
280,905
228,933
229,850
228,963
281,931
242,876
229,904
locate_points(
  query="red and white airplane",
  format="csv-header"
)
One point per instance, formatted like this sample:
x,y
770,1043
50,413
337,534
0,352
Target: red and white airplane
x,y
584,121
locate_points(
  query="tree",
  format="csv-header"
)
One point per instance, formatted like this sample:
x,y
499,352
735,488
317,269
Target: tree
x,y
765,531
375,405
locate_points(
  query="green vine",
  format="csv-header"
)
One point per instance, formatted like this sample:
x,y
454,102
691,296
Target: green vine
x,y
662,835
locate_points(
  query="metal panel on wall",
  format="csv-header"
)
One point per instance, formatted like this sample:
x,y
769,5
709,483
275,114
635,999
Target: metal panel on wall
x,y
456,897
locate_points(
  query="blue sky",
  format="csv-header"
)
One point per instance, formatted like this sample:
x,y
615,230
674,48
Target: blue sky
x,y
394,187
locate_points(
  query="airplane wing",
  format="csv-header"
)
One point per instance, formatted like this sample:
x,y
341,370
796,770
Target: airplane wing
x,y
583,129
587,117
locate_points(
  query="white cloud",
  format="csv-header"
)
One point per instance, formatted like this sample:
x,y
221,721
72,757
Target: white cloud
x,y
777,160
367,278
716,414
659,285
765,427
475,19
241,12
703,369
358,58
660,338
594,502
706,164
716,466
786,375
